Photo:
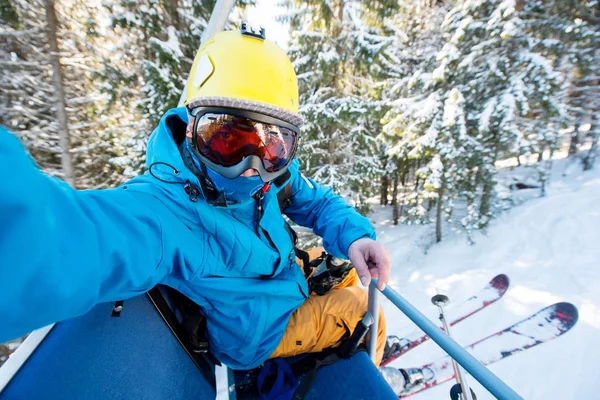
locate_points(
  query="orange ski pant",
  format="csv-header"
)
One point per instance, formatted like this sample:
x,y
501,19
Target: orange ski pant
x,y
323,322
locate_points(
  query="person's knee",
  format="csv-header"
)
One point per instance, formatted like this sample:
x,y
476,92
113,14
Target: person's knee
x,y
358,298
349,304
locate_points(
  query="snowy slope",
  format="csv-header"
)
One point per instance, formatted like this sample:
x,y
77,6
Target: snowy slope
x,y
550,249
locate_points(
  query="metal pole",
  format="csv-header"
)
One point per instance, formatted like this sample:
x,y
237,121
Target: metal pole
x,y
374,311
217,22
483,375
439,300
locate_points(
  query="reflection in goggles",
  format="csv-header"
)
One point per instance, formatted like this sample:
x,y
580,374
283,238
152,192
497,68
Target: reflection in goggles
x,y
227,139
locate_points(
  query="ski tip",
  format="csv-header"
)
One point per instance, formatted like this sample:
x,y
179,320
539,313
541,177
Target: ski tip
x,y
500,282
567,313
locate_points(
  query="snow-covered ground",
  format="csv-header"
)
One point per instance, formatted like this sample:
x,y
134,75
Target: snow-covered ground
x,y
550,249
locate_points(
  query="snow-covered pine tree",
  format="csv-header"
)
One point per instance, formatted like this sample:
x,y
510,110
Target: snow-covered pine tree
x,y
512,82
162,38
337,57
559,31
29,94
412,126
511,98
582,30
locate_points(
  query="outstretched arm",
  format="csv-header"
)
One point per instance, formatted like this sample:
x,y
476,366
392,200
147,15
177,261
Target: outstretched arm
x,y
62,251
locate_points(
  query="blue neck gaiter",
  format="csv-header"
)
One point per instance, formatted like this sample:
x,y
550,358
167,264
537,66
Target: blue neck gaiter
x,y
236,190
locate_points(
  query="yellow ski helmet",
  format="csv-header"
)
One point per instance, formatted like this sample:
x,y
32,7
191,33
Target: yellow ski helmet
x,y
243,70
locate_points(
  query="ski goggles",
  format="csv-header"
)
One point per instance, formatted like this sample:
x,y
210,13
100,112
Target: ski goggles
x,y
233,141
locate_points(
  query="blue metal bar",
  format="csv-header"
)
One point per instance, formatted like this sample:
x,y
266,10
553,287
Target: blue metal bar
x,y
483,375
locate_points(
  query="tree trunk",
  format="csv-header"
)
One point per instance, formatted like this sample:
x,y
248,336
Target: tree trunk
x,y
590,158
403,180
172,7
486,199
61,107
331,150
438,220
385,184
336,32
545,174
487,177
519,4
574,141
416,176
543,187
395,212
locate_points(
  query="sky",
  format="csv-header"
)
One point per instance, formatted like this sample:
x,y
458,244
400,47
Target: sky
x,y
264,14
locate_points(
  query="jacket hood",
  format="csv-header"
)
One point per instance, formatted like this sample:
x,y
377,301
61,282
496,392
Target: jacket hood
x,y
163,155
165,162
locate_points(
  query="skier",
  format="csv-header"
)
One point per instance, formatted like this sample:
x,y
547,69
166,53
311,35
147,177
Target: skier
x,y
204,220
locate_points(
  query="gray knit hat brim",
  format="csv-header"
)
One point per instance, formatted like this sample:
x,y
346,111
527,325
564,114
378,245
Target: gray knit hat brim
x,y
254,106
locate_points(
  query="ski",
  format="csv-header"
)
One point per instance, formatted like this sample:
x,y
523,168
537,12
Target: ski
x,y
541,327
493,291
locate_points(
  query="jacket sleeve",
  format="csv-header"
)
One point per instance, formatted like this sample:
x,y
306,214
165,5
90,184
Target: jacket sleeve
x,y
62,251
327,214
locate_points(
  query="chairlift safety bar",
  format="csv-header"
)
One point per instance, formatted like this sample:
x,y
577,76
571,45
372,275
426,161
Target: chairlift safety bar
x,y
483,375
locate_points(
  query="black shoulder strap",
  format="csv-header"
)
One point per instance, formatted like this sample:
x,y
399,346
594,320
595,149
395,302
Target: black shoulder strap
x,y
284,196
199,359
193,323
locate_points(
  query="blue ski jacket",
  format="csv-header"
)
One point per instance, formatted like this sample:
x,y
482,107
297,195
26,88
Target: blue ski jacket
x,y
62,251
